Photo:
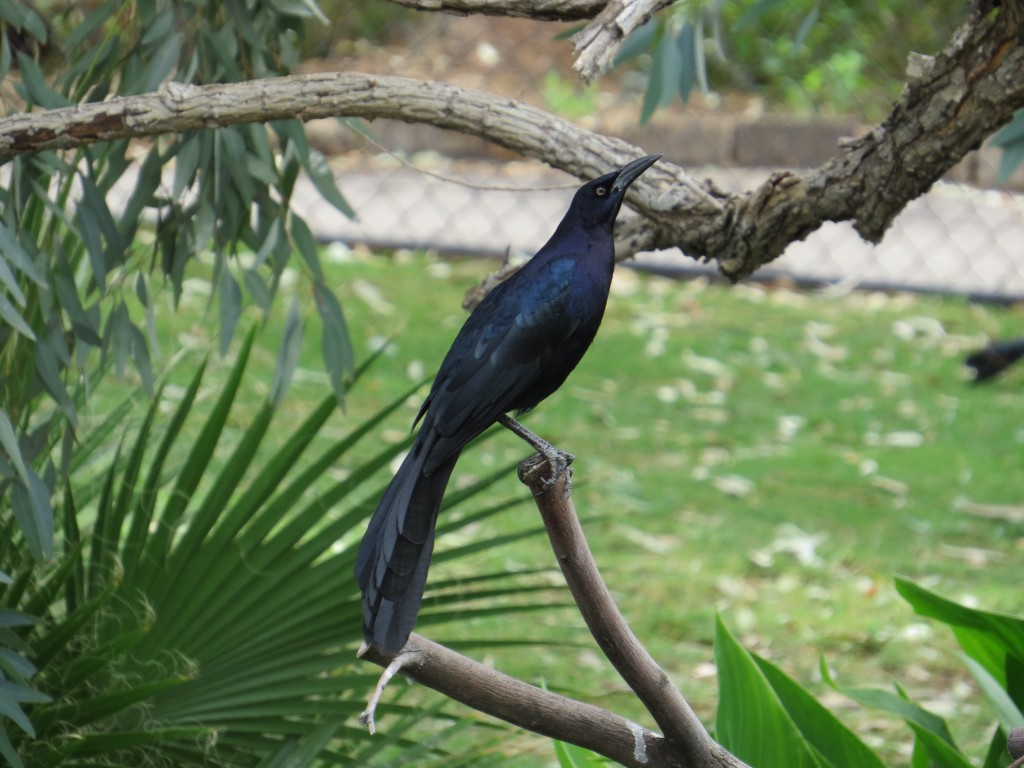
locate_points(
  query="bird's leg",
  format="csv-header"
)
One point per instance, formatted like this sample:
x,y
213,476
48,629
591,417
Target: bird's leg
x,y
558,460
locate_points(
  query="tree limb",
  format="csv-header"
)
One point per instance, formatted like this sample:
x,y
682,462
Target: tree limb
x,y
598,42
961,96
542,10
526,706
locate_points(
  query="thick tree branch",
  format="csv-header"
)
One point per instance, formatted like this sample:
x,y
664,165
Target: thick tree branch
x,y
491,692
598,42
542,10
962,96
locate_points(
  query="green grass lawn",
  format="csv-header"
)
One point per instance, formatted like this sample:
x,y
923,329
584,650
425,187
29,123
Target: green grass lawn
x,y
771,455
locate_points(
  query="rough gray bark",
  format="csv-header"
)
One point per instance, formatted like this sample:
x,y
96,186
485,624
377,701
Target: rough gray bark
x,y
960,97
544,10
598,42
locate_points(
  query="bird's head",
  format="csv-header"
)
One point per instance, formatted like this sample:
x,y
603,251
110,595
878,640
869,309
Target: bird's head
x,y
597,202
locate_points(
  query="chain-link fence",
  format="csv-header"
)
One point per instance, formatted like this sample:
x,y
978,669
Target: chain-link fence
x,y
415,186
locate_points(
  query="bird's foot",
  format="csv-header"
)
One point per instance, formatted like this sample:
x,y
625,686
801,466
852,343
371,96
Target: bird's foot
x,y
559,462
556,462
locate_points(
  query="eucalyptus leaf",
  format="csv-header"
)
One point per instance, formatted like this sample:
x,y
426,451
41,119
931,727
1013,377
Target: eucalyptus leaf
x,y
306,246
288,355
10,314
339,356
322,176
230,308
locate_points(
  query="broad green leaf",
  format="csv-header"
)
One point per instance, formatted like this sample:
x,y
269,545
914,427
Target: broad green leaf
x,y
752,722
836,743
1009,715
985,636
915,715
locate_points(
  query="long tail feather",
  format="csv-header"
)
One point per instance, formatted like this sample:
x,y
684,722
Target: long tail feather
x,y
393,559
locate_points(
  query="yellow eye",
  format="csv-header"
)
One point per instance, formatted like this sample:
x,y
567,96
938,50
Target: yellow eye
x,y
601,191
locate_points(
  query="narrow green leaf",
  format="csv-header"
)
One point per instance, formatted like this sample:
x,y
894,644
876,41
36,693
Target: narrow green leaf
x,y
306,246
9,442
92,21
322,176
89,230
638,42
33,85
11,710
10,281
655,84
186,160
142,513
288,355
158,543
303,752
143,194
15,253
806,26
30,503
686,43
230,308
48,366
7,749
339,356
14,319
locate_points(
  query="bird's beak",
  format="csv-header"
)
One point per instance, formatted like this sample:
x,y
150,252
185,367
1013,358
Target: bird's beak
x,y
629,173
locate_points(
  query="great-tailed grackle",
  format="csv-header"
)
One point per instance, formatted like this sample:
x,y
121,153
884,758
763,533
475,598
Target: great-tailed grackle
x,y
995,358
515,349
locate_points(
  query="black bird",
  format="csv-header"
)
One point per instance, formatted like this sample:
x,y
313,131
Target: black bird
x,y
995,358
515,349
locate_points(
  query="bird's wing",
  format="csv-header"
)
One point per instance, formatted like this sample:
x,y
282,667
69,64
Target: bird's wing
x,y
501,352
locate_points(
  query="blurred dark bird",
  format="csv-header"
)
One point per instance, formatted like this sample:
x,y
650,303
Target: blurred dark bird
x,y
995,358
515,349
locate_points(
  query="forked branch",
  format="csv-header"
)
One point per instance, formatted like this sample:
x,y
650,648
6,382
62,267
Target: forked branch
x,y
684,741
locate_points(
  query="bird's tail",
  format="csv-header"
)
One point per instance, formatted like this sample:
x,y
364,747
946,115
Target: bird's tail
x,y
391,567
